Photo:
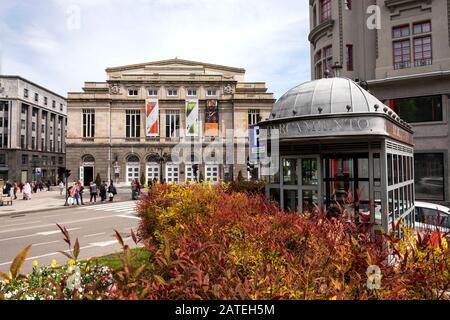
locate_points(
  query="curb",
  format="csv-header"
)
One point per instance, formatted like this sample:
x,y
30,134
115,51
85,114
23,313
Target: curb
x,y
53,209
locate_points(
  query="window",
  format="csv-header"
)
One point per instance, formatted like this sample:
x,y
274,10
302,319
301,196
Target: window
x,y
402,54
45,101
24,110
4,141
423,27
33,143
191,93
172,93
152,93
324,61
423,54
2,159
133,124
60,160
53,104
25,93
23,124
348,4
172,173
42,128
133,93
253,117
429,176
35,113
173,123
152,171
43,144
1,122
418,109
33,126
325,10
211,93
61,107
212,173
400,32
24,159
349,57
22,142
88,123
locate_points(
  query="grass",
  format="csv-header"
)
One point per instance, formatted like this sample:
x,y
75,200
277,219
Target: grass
x,y
139,256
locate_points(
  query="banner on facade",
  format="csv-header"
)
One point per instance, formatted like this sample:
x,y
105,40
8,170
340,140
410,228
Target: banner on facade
x,y
212,119
257,149
192,118
152,122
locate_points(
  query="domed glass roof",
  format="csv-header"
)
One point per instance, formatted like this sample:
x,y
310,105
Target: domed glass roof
x,y
326,96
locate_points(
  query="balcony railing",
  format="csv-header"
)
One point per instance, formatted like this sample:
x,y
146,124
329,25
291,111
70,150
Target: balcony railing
x,y
402,65
423,62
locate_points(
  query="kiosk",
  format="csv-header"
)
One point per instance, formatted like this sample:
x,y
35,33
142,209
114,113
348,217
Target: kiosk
x,y
336,141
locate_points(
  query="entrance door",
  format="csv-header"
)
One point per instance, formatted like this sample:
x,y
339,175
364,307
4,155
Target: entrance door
x,y
172,173
132,172
152,171
24,176
88,175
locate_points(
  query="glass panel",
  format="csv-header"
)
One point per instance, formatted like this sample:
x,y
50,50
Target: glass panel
x,y
395,169
429,176
309,172
290,172
419,109
275,195
377,169
363,168
309,198
389,167
291,200
377,208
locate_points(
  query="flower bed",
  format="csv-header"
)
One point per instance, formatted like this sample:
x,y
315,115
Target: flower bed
x,y
208,242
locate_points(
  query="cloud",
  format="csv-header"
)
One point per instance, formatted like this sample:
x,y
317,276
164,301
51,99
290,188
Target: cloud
x,y
268,38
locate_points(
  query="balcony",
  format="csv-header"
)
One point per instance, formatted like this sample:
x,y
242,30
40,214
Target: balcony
x,y
423,62
402,65
320,30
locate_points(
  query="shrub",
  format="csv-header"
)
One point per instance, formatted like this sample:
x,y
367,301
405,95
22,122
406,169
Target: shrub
x,y
98,180
143,182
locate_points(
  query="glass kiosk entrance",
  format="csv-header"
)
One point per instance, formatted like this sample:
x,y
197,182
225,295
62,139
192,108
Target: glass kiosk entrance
x,y
359,153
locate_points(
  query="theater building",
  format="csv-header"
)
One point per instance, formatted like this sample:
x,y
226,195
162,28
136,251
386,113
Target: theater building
x,y
337,142
129,125
401,48
32,131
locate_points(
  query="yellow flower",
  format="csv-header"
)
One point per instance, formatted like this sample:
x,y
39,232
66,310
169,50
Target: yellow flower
x,y
87,269
333,298
5,281
10,275
35,263
53,263
72,262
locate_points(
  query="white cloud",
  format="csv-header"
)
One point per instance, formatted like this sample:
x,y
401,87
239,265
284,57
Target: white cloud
x,y
268,38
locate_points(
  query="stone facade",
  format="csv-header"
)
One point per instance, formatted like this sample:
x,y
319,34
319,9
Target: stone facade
x,y
32,131
405,61
113,154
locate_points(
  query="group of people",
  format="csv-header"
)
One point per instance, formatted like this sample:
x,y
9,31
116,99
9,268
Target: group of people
x,y
27,188
76,190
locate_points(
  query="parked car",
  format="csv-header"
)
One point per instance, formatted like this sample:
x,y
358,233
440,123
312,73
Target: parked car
x,y
432,216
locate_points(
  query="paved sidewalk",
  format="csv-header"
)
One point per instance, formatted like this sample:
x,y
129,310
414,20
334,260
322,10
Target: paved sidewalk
x,y
52,200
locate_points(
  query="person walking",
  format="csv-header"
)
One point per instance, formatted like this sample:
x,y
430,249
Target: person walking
x,y
49,184
93,191
133,189
27,191
61,188
15,189
112,191
80,191
103,190
7,188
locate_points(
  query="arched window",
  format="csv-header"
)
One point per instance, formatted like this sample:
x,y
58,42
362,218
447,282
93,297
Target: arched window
x,y
133,158
88,158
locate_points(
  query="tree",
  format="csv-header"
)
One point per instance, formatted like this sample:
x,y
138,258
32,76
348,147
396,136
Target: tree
x,y
98,180
143,182
202,178
240,177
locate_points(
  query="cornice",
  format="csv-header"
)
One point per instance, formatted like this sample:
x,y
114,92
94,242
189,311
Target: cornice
x,y
319,30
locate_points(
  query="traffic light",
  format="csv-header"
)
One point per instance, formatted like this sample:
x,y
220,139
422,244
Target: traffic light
x,y
250,167
67,173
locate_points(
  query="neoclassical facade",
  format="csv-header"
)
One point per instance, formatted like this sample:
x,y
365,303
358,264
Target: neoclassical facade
x,y
137,122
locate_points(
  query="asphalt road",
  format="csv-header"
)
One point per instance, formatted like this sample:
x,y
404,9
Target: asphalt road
x,y
93,226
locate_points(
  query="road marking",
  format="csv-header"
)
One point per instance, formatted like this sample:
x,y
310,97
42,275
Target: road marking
x,y
94,235
44,243
48,233
19,224
129,217
107,243
21,237
52,216
62,223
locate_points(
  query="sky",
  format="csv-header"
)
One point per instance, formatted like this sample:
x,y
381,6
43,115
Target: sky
x,y
60,44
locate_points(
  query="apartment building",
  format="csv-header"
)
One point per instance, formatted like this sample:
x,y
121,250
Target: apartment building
x,y
401,48
32,131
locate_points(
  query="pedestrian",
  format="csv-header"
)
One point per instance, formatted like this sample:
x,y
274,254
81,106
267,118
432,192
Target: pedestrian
x,y
80,191
15,189
70,200
138,187
103,190
133,189
41,186
49,184
35,187
93,191
61,188
112,191
27,191
7,188
21,185
74,193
